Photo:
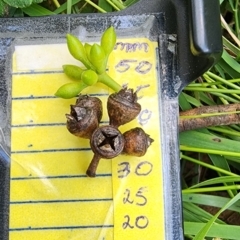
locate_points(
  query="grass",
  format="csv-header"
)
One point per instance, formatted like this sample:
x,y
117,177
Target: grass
x,y
210,170
213,180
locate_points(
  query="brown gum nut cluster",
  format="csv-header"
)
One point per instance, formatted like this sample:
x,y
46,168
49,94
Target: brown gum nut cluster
x,y
107,141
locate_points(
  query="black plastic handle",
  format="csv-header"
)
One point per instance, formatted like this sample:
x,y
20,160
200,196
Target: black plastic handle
x,y
205,33
199,37
198,29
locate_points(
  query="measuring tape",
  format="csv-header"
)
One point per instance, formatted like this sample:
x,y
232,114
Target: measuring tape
x,y
50,195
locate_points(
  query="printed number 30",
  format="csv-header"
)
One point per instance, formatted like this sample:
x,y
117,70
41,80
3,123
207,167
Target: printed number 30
x,y
143,67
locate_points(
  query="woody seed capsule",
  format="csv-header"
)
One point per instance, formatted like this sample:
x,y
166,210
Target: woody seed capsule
x,y
122,107
106,142
84,116
136,142
91,102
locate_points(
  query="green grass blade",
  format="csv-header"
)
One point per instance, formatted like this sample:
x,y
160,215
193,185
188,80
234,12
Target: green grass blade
x,y
206,99
209,200
63,7
192,100
220,71
183,102
218,180
199,214
128,3
203,141
36,10
217,230
221,162
228,69
224,130
205,229
105,5
231,46
69,6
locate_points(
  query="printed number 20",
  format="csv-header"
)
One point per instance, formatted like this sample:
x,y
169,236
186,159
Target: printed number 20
x,y
143,67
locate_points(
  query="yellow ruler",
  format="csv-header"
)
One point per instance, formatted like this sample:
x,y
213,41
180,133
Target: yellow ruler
x,y
50,195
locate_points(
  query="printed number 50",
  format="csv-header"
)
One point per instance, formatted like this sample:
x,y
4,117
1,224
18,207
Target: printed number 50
x,y
143,67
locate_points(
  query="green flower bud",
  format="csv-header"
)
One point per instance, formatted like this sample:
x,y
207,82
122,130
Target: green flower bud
x,y
108,40
87,50
98,58
73,71
70,90
77,50
89,77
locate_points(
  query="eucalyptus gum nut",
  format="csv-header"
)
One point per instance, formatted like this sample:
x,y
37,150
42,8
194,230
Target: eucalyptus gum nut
x,y
98,58
89,77
122,107
108,40
95,103
136,142
69,90
73,71
82,122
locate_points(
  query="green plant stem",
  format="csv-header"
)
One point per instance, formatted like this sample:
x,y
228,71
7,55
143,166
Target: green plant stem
x,y
95,6
113,5
209,80
118,4
201,89
222,80
226,131
212,151
208,166
108,81
228,98
69,6
56,3
211,189
236,17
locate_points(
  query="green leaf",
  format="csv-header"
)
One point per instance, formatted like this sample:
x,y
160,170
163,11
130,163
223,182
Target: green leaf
x,y
231,46
36,10
208,143
209,200
230,61
105,5
206,99
221,162
229,65
218,180
184,104
192,100
21,3
63,7
4,9
203,232
128,3
201,214
219,230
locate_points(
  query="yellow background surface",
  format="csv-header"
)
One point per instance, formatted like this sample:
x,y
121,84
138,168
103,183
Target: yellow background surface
x,y
50,195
